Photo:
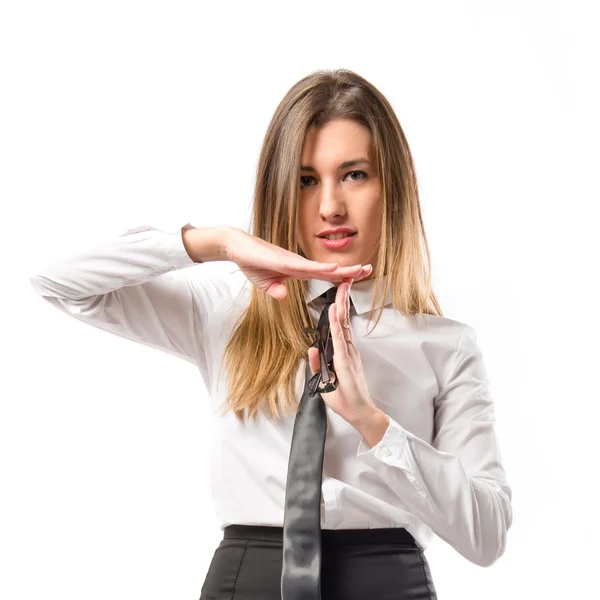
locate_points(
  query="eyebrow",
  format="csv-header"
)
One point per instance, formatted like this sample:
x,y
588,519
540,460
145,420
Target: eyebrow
x,y
344,165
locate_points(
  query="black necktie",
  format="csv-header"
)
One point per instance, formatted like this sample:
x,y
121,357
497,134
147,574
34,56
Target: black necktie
x,y
301,563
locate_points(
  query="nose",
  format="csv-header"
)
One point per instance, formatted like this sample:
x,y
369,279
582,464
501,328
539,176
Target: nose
x,y
331,200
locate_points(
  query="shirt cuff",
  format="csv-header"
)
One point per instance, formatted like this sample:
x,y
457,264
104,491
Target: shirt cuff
x,y
178,256
393,450
171,235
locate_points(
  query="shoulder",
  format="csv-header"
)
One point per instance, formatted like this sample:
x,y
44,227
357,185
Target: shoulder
x,y
442,332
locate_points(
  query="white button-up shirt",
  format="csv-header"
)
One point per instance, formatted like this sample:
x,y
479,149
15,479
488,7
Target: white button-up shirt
x,y
438,468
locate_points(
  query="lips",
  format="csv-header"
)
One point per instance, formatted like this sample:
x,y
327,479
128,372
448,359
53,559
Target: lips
x,y
345,233
335,230
337,244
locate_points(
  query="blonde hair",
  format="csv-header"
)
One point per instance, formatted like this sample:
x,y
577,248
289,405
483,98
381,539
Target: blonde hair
x,y
264,352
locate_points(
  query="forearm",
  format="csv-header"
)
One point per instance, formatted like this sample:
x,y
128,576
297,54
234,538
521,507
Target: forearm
x,y
206,244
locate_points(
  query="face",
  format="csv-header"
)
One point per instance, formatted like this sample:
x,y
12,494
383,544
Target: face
x,y
334,195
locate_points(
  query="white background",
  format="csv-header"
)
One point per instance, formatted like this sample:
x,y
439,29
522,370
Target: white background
x,y
116,114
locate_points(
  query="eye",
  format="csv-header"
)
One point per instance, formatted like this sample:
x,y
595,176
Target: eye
x,y
303,178
359,172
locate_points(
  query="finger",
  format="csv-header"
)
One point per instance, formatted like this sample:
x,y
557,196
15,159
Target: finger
x,y
339,295
313,360
341,274
348,331
312,266
344,319
366,271
348,302
340,348
313,269
340,299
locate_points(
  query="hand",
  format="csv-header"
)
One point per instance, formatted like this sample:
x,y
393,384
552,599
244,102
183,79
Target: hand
x,y
351,399
267,265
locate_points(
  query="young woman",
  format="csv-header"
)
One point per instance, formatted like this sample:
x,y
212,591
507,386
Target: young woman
x,y
410,447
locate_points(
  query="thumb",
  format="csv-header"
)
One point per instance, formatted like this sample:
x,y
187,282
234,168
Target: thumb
x,y
277,290
313,360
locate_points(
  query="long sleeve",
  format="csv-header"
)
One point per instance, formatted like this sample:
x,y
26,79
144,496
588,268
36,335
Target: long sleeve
x,y
457,486
126,286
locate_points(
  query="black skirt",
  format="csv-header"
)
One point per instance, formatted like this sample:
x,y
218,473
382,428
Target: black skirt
x,y
357,564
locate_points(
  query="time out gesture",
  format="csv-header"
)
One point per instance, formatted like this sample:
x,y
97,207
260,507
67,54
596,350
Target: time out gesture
x,y
267,266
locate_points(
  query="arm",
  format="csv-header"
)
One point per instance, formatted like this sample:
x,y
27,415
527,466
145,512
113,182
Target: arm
x,y
456,486
126,286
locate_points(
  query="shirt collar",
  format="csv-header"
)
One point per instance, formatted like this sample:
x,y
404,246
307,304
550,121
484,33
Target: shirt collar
x,y
361,292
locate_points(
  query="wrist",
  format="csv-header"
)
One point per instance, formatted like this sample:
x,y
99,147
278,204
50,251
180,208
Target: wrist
x,y
206,244
373,427
229,238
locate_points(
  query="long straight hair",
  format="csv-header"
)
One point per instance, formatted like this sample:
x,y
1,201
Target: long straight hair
x,y
268,343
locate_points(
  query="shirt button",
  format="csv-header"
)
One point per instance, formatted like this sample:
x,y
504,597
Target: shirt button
x,y
386,452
